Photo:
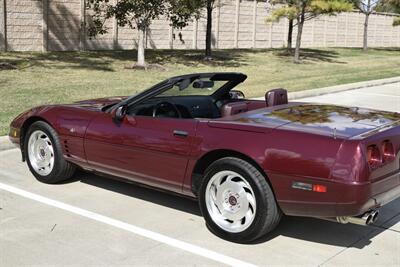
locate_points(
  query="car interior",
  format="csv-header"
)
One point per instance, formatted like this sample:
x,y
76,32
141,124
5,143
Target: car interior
x,y
201,101
187,107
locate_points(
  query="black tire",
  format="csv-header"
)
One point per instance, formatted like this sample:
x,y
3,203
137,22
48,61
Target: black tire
x,y
267,214
62,170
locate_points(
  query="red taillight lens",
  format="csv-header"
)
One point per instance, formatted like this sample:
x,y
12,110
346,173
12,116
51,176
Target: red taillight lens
x,y
388,151
374,156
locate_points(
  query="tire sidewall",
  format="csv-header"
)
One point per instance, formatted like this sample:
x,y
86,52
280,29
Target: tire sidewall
x,y
253,229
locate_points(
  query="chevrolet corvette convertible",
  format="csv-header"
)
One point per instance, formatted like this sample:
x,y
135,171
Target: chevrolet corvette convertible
x,y
247,162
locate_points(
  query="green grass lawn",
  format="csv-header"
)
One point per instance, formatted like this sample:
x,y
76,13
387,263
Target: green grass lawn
x,y
62,77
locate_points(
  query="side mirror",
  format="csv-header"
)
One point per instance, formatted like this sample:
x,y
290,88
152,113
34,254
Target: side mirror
x,y
120,113
236,94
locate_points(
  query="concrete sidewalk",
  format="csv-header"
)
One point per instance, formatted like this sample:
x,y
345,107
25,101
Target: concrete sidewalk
x,y
5,143
382,97
375,84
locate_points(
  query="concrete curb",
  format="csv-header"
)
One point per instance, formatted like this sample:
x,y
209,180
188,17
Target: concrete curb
x,y
339,88
5,143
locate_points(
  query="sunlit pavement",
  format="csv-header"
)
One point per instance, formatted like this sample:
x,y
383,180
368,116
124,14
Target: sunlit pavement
x,y
35,233
383,97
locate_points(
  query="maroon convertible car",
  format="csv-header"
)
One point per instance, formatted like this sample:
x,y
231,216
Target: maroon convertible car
x,y
246,161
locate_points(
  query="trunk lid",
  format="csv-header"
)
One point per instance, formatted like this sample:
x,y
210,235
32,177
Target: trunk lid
x,y
328,120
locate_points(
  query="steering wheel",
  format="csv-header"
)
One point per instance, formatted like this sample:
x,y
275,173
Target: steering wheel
x,y
167,109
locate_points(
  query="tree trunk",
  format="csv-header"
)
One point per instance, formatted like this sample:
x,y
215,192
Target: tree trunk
x,y
140,51
365,39
300,24
209,30
290,35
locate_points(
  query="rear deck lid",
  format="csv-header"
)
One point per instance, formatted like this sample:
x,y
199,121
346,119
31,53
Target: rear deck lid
x,y
328,120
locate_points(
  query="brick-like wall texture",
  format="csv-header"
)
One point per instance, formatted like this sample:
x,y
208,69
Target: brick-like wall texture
x,y
24,24
58,25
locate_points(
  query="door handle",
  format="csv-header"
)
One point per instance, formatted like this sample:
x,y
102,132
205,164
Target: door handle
x,y
180,133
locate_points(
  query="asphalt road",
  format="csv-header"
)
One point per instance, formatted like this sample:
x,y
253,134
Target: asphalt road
x,y
94,221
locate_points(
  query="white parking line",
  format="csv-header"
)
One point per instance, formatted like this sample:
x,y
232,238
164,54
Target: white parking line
x,y
130,228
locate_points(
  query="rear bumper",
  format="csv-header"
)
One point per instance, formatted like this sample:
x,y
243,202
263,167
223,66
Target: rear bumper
x,y
386,197
372,201
345,199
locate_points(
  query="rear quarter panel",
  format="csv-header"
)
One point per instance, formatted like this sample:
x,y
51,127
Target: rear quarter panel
x,y
285,156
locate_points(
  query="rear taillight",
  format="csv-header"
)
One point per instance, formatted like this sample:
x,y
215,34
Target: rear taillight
x,y
388,151
374,156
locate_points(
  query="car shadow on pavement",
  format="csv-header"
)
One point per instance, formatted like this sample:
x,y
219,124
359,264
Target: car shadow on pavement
x,y
302,228
134,190
336,234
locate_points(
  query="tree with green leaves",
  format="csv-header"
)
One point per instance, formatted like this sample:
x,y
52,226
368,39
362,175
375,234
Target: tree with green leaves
x,y
195,8
396,9
137,14
302,10
366,7
390,6
277,15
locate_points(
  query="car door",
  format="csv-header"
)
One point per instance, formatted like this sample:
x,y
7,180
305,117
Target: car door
x,y
149,150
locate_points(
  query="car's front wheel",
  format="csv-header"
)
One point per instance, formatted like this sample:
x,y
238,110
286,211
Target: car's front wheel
x,y
237,202
44,154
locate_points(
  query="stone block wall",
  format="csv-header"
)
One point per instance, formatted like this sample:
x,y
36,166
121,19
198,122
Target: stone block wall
x,y
59,25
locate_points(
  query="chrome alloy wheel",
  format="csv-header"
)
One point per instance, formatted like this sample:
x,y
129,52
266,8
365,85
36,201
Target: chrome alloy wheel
x,y
230,201
41,153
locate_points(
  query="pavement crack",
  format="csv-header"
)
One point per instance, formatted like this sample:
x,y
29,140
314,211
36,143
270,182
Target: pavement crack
x,y
54,226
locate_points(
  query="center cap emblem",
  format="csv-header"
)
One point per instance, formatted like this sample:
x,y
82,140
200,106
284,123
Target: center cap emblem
x,y
232,200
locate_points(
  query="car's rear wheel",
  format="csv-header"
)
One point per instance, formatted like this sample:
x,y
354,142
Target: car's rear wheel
x,y
44,155
237,201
